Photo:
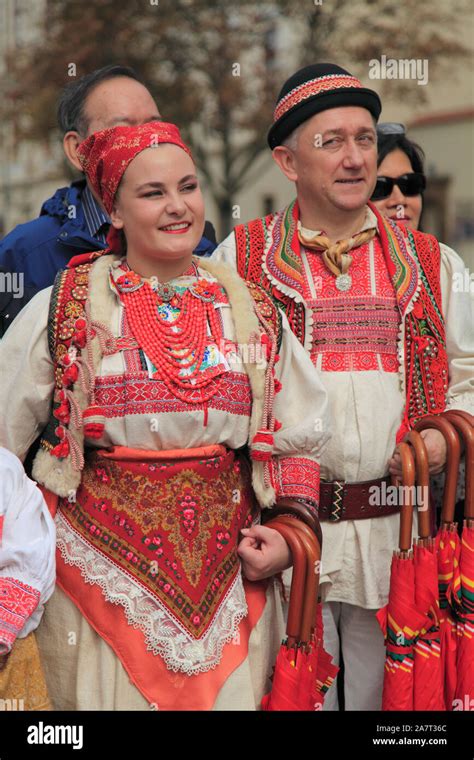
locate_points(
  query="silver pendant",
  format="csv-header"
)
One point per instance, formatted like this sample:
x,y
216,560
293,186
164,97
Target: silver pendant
x,y
343,282
164,291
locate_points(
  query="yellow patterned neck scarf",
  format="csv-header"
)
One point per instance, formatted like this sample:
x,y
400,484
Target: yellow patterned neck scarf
x,y
335,255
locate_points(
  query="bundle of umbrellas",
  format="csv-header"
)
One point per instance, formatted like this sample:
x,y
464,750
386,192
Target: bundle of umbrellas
x,y
303,670
428,622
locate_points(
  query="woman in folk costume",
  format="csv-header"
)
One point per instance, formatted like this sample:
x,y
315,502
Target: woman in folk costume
x,y
376,306
27,577
152,372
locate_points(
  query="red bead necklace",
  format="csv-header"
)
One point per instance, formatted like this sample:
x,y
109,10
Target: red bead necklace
x,y
186,336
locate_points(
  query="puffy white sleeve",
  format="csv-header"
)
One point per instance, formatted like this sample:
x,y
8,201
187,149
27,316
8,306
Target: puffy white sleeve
x,y
27,552
226,252
458,308
301,407
26,376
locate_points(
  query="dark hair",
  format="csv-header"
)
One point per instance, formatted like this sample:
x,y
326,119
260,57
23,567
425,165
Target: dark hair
x,y
70,112
388,143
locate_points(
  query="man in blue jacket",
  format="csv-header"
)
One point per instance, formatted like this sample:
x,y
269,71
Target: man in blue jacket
x,y
73,221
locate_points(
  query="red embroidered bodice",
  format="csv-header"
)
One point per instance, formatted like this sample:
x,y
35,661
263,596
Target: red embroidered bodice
x,y
356,330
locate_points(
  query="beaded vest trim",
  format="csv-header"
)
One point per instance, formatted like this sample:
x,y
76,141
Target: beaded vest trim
x,y
252,241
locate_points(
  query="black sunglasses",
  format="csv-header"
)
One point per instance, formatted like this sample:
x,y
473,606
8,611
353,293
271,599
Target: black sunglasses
x,y
409,184
390,128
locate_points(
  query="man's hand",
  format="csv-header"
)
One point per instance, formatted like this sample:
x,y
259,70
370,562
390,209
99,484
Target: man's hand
x,y
263,552
436,450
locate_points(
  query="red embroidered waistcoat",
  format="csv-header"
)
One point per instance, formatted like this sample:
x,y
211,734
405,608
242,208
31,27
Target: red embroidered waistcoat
x,y
268,253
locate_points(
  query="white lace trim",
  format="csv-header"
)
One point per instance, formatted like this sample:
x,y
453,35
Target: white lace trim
x,y
164,635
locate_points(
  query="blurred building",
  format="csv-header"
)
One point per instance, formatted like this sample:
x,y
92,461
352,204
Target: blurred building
x,y
29,172
448,141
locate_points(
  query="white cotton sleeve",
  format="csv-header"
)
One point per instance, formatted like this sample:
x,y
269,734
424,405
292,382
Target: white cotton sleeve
x,y
458,309
226,251
27,552
302,404
302,409
26,376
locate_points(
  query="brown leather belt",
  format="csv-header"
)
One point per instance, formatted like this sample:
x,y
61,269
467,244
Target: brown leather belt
x,y
350,501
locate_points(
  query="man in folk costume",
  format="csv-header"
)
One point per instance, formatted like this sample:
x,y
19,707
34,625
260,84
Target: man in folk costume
x,y
373,303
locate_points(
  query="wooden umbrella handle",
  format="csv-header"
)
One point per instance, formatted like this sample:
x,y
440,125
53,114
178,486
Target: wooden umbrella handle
x,y
289,506
313,555
422,479
453,454
466,430
406,511
298,580
461,413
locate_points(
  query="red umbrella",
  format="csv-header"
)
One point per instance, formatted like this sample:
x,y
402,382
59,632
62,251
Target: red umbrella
x,y
428,672
465,625
400,620
462,591
447,549
302,669
319,667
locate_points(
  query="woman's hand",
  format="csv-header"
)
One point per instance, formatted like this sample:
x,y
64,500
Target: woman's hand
x,y
435,448
263,552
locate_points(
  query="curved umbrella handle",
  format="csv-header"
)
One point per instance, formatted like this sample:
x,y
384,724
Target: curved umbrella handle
x,y
314,572
313,555
406,512
461,413
453,454
289,506
298,580
422,479
466,430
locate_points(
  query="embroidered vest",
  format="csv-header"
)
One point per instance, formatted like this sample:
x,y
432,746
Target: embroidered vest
x,y
268,253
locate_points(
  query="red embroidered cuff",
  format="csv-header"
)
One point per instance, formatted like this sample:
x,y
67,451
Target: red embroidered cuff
x,y
296,477
17,602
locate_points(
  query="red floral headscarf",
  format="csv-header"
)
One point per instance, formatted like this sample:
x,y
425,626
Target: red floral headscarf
x,y
105,155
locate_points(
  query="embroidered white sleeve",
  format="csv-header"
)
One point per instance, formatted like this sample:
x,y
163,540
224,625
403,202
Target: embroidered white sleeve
x,y
27,537
302,403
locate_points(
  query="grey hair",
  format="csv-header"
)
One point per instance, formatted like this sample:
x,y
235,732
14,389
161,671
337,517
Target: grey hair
x,y
291,141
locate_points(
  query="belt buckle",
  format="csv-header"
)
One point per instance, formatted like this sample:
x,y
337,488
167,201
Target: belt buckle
x,y
337,508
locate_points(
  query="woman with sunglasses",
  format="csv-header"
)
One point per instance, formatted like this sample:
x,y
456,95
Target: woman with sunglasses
x,y
398,193
175,404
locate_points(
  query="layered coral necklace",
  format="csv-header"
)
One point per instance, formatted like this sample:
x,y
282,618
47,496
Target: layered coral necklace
x,y
178,345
